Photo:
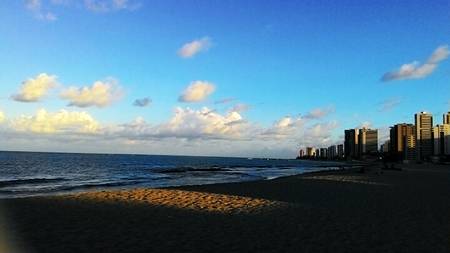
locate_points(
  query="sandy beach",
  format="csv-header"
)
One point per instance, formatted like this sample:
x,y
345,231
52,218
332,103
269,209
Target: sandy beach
x,y
337,211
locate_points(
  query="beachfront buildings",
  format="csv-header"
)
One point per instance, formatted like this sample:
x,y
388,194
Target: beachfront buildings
x,y
301,153
446,118
441,139
360,142
368,141
420,141
332,152
323,153
351,143
385,147
424,136
340,151
310,152
402,144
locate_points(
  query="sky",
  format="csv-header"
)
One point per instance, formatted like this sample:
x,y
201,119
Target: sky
x,y
215,78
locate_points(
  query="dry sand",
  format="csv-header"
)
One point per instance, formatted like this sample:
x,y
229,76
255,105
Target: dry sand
x,y
340,211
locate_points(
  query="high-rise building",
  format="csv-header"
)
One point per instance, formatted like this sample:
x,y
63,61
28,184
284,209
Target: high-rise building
x,y
332,153
385,147
446,118
424,137
340,151
368,141
310,152
301,153
323,153
351,143
441,140
403,141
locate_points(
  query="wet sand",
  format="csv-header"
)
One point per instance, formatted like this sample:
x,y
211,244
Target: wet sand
x,y
339,211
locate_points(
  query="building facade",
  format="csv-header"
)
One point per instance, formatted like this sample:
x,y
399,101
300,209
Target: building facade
x,y
441,140
340,151
332,152
351,143
310,152
323,153
446,118
368,141
424,137
403,141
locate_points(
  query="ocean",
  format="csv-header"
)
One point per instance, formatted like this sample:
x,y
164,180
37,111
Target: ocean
x,y
31,174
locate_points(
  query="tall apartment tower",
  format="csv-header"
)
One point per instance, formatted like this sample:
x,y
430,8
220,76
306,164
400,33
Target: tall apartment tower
x,y
446,118
403,141
340,151
310,151
424,136
441,140
368,141
332,152
351,143
301,153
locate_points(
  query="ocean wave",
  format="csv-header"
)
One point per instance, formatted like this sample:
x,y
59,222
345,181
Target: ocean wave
x,y
12,182
181,169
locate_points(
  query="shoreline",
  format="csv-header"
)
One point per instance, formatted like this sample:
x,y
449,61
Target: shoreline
x,y
339,211
326,167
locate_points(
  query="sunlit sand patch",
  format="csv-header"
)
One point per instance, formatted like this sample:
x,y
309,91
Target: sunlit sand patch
x,y
345,178
198,201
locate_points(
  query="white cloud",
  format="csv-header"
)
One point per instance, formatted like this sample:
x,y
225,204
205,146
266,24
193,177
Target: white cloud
x,y
33,89
35,6
197,91
111,5
283,127
196,46
100,94
204,123
188,131
318,113
142,102
59,122
415,70
389,104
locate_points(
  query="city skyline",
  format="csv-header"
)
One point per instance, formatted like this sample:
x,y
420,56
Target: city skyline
x,y
215,78
421,141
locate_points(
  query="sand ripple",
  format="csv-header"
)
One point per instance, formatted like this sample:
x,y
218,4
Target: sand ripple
x,y
197,201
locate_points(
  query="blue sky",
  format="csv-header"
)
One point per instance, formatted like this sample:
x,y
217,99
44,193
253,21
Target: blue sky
x,y
315,65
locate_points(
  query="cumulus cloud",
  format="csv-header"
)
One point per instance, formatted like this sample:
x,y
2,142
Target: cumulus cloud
x,y
283,127
142,102
187,131
415,70
318,113
204,123
389,104
59,122
100,94
111,5
36,7
33,89
190,49
197,91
